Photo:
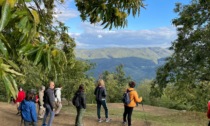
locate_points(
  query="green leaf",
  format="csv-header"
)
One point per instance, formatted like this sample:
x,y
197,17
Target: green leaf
x,y
5,15
13,83
3,49
38,56
49,59
9,86
25,48
13,64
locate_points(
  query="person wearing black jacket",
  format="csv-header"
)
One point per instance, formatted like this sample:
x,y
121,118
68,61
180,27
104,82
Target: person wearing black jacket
x,y
82,106
100,93
49,104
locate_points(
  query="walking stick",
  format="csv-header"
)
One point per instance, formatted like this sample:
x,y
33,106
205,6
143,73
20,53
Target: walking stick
x,y
147,124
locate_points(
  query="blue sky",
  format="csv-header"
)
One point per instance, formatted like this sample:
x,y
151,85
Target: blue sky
x,y
153,28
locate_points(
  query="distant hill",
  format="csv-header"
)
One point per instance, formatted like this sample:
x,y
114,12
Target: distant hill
x,y
139,63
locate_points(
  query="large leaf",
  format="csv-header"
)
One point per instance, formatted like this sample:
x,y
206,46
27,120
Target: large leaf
x,y
3,49
5,15
38,56
49,59
9,86
7,68
36,16
11,63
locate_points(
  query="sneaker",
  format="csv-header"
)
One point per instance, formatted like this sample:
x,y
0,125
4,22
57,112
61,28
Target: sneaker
x,y
107,119
100,120
124,123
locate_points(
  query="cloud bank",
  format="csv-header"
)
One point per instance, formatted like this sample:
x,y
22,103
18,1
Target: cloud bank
x,y
94,36
97,37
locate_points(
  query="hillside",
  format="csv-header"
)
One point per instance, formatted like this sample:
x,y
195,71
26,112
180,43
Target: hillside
x,y
146,116
139,63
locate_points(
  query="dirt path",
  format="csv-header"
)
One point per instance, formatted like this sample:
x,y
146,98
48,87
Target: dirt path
x,y
156,116
8,117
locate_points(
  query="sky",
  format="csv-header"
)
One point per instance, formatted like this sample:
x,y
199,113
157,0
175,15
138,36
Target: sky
x,y
153,28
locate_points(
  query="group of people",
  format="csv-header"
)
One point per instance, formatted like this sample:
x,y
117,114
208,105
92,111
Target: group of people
x,y
47,104
48,100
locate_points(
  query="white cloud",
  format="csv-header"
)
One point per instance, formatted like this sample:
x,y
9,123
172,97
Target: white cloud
x,y
95,36
64,12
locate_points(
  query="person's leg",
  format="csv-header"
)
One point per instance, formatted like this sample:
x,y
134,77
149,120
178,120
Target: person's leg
x,y
105,108
52,115
125,113
130,110
59,106
81,112
76,120
99,109
34,123
26,123
17,105
41,112
45,115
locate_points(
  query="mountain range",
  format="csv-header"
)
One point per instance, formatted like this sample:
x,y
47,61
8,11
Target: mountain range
x,y
139,63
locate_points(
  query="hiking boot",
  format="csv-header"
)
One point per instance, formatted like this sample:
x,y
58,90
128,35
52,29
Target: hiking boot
x,y
107,119
100,120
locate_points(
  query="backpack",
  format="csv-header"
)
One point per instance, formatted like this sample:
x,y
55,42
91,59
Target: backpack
x,y
55,93
76,100
126,97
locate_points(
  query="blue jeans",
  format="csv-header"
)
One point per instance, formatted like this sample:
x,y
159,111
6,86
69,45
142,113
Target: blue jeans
x,y
103,103
52,114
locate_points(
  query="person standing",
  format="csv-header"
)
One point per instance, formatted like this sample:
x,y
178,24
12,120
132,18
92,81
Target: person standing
x,y
128,109
82,105
49,104
20,98
58,99
28,110
100,93
41,102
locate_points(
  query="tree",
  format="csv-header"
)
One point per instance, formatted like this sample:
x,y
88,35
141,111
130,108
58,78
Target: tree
x,y
108,12
188,68
29,31
115,82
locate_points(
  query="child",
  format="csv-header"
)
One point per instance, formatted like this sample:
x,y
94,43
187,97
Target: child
x,y
28,110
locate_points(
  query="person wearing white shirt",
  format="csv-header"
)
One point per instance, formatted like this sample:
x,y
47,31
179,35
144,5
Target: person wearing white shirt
x,y
58,99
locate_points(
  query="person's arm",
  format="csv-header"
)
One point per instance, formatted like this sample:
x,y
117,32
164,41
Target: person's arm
x,y
95,91
83,101
51,97
19,108
41,99
33,112
58,94
136,97
104,92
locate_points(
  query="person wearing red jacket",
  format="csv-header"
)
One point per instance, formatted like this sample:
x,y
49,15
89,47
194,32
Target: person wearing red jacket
x,y
20,98
208,112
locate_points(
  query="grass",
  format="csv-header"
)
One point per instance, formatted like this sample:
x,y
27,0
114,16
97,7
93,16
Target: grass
x,y
155,116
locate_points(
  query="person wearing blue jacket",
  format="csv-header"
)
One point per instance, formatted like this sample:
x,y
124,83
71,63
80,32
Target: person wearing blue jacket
x,y
28,110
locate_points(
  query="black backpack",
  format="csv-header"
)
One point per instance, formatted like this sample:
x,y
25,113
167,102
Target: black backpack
x,y
76,100
126,97
55,93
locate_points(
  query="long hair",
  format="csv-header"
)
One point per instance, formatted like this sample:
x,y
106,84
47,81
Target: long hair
x,y
101,82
